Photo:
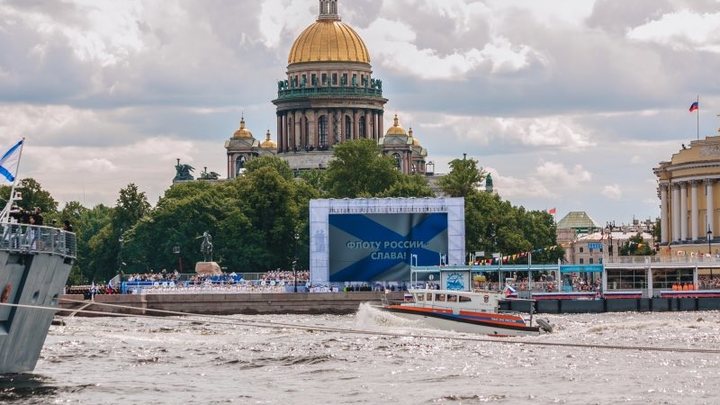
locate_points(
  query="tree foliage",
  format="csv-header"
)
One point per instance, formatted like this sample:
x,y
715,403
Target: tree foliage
x,y
464,178
636,246
359,170
259,221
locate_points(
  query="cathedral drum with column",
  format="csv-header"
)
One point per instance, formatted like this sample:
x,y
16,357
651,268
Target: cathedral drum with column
x,y
689,198
329,95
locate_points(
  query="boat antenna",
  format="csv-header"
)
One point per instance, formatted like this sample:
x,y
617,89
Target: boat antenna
x,y
12,176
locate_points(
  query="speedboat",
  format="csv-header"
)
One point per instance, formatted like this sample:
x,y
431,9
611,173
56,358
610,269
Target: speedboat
x,y
464,311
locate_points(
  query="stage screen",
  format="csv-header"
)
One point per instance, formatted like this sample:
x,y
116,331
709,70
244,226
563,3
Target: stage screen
x,y
380,247
378,239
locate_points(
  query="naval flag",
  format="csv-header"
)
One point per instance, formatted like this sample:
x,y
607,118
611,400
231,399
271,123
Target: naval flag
x,y
9,161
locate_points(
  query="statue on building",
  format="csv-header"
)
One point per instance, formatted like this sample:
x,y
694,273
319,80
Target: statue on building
x,y
183,172
239,164
488,183
209,176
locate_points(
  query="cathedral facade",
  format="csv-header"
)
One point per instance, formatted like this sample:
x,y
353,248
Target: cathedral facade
x,y
328,97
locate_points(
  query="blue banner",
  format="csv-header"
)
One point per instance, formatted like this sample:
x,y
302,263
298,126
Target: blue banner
x,y
380,247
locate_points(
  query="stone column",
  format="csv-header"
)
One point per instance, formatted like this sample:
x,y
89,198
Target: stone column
x,y
286,138
356,124
371,121
296,139
313,129
693,211
710,221
342,126
279,133
683,211
381,125
230,174
675,203
663,213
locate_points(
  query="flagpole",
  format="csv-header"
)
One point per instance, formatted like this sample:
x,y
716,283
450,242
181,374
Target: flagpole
x,y
6,211
697,114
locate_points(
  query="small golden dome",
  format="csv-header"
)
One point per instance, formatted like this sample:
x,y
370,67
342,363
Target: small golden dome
x,y
396,129
268,143
415,141
242,132
328,41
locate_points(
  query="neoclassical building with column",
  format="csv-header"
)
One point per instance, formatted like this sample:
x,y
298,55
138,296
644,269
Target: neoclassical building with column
x,y
690,199
329,97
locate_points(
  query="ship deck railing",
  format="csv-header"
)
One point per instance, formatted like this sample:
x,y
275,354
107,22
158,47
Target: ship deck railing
x,y
33,239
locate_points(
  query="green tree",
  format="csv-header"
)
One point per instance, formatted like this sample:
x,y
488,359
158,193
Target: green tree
x,y
359,170
636,246
131,205
280,165
269,201
409,185
86,225
33,196
464,178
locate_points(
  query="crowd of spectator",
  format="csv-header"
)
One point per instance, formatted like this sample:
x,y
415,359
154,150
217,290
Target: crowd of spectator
x,y
709,282
287,276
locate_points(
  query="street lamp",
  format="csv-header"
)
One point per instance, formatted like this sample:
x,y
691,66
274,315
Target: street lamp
x,y
294,262
122,243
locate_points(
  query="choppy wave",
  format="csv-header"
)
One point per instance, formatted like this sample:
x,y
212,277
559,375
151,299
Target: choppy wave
x,y
163,361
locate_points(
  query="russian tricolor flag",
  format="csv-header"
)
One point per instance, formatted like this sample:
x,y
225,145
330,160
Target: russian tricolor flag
x,y
694,106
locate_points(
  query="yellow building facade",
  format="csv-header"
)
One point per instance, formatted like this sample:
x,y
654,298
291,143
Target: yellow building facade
x,y
689,191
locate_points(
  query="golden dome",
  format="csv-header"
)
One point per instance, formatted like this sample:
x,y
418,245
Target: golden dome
x,y
396,129
415,141
329,41
243,132
268,143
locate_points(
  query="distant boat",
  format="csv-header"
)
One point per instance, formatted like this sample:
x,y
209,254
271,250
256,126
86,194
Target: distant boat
x,y
35,262
463,311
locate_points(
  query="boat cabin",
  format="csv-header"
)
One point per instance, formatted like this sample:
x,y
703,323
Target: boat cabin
x,y
480,301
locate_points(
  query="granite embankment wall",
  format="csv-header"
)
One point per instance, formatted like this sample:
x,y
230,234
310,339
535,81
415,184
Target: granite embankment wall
x,y
615,305
346,303
227,304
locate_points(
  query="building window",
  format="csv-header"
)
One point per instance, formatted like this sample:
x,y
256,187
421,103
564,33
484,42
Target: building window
x,y
582,260
591,260
323,130
304,80
334,79
361,128
581,249
348,128
344,79
354,80
324,79
313,79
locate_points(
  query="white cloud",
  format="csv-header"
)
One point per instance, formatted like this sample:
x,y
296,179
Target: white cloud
x,y
395,48
682,30
557,173
556,132
612,192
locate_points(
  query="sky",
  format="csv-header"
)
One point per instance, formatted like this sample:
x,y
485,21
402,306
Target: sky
x,y
569,104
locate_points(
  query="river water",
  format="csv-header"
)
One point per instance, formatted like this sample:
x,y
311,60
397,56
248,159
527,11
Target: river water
x,y
223,360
